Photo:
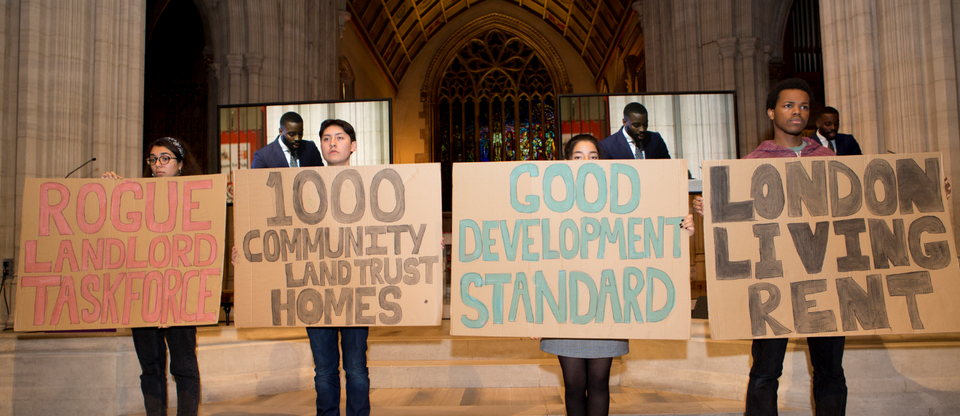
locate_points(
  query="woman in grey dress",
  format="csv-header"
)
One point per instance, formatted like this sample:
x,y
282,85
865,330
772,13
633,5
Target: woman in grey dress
x,y
586,362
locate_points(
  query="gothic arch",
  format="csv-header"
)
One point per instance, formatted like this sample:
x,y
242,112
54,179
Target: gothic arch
x,y
508,25
778,13
462,37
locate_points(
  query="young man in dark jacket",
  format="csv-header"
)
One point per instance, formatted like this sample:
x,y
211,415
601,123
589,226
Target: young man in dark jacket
x,y
788,107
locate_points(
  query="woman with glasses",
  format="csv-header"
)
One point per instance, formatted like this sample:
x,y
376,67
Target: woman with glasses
x,y
585,363
168,158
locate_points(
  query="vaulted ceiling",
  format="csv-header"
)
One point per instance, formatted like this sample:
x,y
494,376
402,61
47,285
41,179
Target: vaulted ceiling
x,y
397,30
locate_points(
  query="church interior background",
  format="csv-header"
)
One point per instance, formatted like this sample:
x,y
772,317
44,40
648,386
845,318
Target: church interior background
x,y
469,80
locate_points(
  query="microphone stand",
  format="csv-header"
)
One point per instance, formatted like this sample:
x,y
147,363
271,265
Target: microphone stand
x,y
78,167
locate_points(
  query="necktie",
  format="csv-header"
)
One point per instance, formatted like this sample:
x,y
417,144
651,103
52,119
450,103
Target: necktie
x,y
830,145
293,161
638,151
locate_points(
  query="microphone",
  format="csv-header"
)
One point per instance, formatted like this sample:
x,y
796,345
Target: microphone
x,y
78,167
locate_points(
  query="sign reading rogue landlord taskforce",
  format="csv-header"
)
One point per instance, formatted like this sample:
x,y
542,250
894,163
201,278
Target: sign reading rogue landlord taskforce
x,y
108,253
571,249
329,246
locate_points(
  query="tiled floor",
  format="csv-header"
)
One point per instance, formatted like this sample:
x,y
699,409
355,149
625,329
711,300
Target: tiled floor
x,y
483,402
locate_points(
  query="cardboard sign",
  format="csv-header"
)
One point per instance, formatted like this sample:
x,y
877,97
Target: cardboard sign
x,y
571,249
854,245
357,246
106,253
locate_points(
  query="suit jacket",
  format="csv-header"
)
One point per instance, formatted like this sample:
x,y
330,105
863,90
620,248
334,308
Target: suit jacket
x,y
846,145
616,147
271,156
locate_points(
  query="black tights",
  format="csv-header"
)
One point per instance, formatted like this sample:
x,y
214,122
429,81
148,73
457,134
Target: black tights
x,y
586,385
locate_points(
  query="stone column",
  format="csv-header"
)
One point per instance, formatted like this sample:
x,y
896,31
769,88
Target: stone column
x,y
254,63
890,68
234,77
753,92
728,51
9,50
76,77
710,45
253,54
277,51
327,72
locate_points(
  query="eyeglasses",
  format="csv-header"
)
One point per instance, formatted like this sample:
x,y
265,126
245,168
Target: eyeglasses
x,y
164,160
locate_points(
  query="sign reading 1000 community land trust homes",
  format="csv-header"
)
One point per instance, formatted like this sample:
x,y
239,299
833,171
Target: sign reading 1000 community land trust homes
x,y
332,246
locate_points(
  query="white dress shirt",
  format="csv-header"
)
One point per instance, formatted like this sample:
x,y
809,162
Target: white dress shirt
x,y
825,142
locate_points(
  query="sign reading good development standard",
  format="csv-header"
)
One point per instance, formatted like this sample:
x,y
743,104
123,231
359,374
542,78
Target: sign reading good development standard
x,y
854,245
327,246
571,249
111,253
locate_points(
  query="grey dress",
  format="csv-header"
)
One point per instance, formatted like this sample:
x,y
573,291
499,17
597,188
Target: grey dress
x,y
585,348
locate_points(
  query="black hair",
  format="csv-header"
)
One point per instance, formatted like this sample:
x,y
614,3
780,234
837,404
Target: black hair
x,y
572,143
179,150
633,108
788,84
290,117
828,110
347,128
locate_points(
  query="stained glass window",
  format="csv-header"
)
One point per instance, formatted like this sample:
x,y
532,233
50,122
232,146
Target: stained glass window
x,y
496,103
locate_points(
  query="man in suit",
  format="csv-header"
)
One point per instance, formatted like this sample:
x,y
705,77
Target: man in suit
x,y
828,125
289,149
633,141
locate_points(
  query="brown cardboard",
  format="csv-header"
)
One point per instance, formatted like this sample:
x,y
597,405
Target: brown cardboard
x,y
855,279
392,216
96,244
496,200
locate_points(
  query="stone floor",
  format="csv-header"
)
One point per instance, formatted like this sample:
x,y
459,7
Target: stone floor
x,y
484,401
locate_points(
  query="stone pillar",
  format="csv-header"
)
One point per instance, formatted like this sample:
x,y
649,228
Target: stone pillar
x,y
9,49
712,45
234,77
75,73
728,51
753,91
327,73
276,51
890,68
254,63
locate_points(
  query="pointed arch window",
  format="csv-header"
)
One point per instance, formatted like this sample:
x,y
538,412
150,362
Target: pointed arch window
x,y
496,102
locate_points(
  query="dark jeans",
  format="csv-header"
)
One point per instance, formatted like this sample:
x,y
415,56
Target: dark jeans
x,y
829,385
151,345
326,360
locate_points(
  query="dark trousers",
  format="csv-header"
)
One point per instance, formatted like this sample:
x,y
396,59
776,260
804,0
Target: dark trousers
x,y
151,345
326,360
829,384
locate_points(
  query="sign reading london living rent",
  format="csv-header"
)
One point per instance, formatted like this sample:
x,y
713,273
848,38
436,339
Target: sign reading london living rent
x,y
571,249
331,246
853,245
109,253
